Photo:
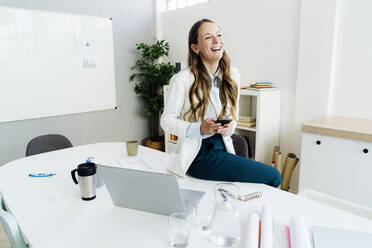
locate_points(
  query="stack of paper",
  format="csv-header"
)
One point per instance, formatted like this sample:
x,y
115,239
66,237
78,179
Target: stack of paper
x,y
330,237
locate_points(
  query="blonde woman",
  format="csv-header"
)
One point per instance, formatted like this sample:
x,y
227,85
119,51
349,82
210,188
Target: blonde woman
x,y
207,90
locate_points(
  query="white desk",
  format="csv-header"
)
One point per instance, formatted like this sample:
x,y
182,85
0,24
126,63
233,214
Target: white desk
x,y
51,213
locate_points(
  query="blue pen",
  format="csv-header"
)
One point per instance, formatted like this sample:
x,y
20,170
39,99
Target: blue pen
x,y
222,194
41,174
88,160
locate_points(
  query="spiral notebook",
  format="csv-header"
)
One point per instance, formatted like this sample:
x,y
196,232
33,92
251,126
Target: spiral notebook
x,y
329,237
242,197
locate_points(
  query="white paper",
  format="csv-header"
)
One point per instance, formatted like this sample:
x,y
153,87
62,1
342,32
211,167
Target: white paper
x,y
146,162
267,227
157,164
135,162
299,233
329,237
105,160
251,231
85,45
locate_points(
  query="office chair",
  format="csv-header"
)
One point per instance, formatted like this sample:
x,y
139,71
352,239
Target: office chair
x,y
337,203
11,227
240,145
47,143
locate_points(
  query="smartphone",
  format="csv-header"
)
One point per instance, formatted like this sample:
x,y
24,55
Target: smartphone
x,y
223,121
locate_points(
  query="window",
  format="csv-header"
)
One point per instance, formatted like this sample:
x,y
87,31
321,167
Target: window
x,y
176,4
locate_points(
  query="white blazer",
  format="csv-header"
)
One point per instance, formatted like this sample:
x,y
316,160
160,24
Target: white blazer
x,y
172,121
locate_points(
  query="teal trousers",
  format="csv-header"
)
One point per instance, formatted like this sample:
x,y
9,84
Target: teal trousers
x,y
214,163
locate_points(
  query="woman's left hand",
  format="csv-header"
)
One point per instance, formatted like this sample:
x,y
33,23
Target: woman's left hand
x,y
226,129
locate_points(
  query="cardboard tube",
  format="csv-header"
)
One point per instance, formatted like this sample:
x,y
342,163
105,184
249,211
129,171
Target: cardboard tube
x,y
289,165
276,149
278,162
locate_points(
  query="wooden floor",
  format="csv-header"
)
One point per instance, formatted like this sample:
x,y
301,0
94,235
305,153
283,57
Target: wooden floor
x,y
4,242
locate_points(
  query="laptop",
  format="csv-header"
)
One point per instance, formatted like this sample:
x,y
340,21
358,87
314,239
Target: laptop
x,y
148,191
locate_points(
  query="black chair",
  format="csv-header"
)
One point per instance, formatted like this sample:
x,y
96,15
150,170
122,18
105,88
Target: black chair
x,y
47,143
240,145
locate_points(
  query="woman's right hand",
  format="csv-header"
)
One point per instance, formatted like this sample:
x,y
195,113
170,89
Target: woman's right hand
x,y
209,127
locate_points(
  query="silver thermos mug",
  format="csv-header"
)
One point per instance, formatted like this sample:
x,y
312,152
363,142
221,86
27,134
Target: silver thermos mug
x,y
86,179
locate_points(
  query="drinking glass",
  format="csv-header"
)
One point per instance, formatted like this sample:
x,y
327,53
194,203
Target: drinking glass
x,y
204,213
179,230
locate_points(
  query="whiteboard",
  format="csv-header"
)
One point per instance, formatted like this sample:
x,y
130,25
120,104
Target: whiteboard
x,y
54,64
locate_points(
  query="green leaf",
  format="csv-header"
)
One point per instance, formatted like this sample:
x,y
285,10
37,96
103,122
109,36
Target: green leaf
x,y
132,77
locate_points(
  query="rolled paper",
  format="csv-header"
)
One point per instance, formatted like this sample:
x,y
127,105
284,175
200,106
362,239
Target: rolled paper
x,y
276,149
278,162
289,165
267,227
299,233
288,236
251,232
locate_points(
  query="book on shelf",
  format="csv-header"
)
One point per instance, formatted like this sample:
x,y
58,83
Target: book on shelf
x,y
257,87
247,118
261,86
247,124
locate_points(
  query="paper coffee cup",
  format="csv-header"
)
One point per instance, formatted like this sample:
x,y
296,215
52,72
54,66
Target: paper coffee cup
x,y
132,147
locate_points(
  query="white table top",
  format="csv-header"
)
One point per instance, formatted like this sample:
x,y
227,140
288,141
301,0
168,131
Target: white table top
x,y
51,213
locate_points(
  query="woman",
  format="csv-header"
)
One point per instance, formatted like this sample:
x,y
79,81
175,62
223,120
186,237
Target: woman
x,y
208,89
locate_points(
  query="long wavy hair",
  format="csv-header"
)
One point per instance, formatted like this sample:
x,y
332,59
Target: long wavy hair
x,y
199,94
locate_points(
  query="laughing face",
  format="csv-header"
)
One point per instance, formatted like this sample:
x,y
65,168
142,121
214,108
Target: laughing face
x,y
210,43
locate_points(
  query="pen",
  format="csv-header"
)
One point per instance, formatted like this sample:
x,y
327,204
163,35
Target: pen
x,y
222,194
227,192
88,160
41,174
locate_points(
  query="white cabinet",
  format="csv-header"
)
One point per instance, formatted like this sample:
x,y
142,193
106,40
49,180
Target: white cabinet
x,y
338,166
265,105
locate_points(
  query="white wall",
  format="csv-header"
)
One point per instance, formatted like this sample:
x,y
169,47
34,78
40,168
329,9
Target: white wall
x,y
316,56
261,37
352,74
335,57
315,59
133,22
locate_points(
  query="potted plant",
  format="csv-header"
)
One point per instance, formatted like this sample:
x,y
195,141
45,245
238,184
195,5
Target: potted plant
x,y
151,75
